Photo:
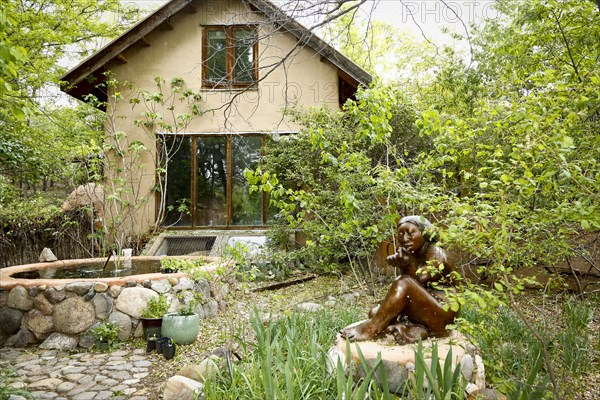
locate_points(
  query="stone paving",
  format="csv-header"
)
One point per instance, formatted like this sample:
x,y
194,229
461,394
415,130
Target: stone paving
x,y
52,374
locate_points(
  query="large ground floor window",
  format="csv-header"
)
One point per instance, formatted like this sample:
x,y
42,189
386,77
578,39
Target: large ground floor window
x,y
205,181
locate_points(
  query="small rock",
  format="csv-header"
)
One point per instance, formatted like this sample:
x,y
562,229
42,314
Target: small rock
x,y
41,325
146,283
100,287
90,294
47,384
86,341
19,298
33,291
47,255
59,341
210,309
103,305
10,320
54,295
182,388
123,322
173,281
335,355
161,286
41,303
184,284
114,291
130,284
308,307
203,287
80,288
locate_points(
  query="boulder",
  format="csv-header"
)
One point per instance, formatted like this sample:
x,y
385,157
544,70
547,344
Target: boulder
x,y
22,338
47,255
54,295
399,360
123,321
10,320
19,298
41,303
103,305
182,388
132,301
41,325
58,341
73,316
86,195
199,372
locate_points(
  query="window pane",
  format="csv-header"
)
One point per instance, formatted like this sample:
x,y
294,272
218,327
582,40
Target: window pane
x,y
216,56
247,208
211,181
244,56
179,170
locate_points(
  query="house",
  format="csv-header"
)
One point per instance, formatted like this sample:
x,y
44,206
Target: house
x,y
248,60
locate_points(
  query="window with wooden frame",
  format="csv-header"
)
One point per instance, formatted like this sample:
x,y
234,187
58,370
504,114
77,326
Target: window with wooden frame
x,y
229,56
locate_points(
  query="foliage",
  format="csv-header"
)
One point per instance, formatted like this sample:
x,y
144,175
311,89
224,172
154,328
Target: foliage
x,y
351,193
186,265
442,383
138,126
6,390
289,361
39,142
513,355
106,332
157,307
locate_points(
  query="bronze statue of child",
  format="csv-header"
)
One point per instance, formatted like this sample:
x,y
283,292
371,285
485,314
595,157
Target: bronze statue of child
x,y
412,309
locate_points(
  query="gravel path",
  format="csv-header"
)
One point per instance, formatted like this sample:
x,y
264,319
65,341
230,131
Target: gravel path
x,y
51,374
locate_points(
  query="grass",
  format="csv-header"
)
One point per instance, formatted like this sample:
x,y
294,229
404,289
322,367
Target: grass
x,y
514,357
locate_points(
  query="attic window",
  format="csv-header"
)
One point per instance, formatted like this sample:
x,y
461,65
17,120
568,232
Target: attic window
x,y
229,56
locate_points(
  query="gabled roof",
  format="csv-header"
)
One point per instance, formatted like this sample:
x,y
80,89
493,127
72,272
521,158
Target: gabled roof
x,y
82,79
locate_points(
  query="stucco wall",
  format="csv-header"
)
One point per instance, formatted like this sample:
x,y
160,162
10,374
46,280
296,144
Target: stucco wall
x,y
302,78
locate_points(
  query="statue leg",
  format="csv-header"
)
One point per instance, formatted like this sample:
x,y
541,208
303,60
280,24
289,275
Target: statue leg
x,y
394,303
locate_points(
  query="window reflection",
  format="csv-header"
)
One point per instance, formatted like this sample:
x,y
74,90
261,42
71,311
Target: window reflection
x,y
178,178
247,207
211,181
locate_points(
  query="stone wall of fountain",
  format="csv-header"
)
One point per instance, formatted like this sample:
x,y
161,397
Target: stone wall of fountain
x,y
59,317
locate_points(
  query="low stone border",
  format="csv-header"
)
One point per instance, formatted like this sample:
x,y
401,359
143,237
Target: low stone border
x,y
59,317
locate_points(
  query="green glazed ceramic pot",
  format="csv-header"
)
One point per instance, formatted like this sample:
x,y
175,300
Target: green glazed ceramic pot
x,y
181,329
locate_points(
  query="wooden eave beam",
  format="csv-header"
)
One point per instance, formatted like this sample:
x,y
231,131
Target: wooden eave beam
x,y
145,41
122,58
169,24
123,42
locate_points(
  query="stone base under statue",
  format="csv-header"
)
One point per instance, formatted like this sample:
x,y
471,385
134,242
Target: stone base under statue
x,y
399,360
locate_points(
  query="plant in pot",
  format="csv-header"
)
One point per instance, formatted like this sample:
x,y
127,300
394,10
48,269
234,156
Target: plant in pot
x,y
152,316
183,326
106,335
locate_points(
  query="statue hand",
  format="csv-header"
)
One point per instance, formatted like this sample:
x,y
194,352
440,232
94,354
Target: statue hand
x,y
397,259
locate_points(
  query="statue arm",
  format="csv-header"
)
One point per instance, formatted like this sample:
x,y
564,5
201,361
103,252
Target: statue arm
x,y
436,257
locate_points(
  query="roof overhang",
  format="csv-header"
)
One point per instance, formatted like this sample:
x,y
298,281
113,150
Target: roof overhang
x,y
84,78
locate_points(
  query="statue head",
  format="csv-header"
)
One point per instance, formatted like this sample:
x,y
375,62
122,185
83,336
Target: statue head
x,y
415,231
